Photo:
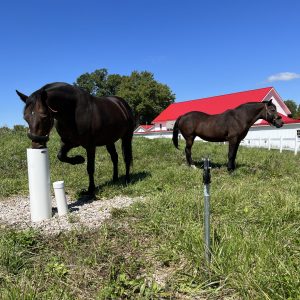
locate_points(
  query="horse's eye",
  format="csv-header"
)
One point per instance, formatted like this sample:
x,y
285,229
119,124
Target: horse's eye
x,y
32,113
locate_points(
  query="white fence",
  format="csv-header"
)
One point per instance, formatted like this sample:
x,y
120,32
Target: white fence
x,y
281,143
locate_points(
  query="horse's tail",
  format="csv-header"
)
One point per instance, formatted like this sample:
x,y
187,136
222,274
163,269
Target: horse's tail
x,y
175,133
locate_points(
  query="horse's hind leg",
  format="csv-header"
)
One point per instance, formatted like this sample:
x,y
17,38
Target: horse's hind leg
x,y
91,168
114,158
62,154
127,154
188,151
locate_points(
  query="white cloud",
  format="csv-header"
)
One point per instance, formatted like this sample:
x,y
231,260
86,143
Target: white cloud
x,y
284,76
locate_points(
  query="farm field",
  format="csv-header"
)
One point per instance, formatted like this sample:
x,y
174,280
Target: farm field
x,y
154,249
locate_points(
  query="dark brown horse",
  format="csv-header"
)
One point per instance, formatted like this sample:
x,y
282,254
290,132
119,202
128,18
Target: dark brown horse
x,y
232,126
81,120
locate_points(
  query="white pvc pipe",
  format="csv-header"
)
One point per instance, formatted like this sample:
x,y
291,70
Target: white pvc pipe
x,y
39,184
60,197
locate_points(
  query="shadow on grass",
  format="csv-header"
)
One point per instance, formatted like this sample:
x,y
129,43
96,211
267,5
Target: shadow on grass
x,y
199,165
85,198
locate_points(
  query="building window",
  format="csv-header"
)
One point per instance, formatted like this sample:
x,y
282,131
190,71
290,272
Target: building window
x,y
160,126
298,133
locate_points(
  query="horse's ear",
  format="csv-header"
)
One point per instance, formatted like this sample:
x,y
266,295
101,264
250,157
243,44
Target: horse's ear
x,y
22,96
270,102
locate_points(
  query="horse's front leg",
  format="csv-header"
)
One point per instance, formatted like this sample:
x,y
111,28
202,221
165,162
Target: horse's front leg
x,y
232,151
62,154
91,169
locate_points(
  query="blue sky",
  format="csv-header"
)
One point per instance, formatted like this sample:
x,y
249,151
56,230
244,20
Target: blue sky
x,y
198,48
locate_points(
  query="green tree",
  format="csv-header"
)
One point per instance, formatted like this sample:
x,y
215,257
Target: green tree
x,y
292,106
99,83
146,96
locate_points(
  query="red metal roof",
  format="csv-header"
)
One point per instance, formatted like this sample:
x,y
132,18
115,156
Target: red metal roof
x,y
212,105
146,127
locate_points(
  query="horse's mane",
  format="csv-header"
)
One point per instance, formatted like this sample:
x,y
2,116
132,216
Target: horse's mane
x,y
47,87
248,104
242,106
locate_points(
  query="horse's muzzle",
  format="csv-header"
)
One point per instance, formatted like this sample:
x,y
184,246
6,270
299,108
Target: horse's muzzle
x,y
278,125
38,138
277,122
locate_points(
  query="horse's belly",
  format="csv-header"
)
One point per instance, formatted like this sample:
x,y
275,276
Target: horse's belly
x,y
214,138
109,135
210,135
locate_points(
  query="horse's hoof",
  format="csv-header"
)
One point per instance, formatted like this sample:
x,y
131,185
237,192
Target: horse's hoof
x,y
193,167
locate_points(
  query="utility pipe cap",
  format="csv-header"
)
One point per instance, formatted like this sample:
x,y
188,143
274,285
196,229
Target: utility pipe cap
x,y
58,184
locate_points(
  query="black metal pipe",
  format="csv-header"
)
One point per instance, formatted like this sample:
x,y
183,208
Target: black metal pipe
x,y
206,182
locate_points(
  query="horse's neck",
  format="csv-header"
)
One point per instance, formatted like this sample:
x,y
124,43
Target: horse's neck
x,y
253,114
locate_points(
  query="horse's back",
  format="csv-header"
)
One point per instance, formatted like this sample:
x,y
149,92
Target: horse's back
x,y
191,120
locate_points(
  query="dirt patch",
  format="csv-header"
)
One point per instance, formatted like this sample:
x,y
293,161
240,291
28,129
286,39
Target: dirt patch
x,y
15,212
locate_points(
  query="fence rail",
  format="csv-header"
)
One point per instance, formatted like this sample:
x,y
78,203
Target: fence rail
x,y
280,143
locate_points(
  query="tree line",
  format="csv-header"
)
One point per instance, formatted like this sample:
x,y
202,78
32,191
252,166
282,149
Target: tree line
x,y
294,108
146,96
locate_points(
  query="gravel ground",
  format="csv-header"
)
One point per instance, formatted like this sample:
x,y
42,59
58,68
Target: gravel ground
x,y
15,212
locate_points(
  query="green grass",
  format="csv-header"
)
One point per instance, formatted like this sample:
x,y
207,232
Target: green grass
x,y
154,249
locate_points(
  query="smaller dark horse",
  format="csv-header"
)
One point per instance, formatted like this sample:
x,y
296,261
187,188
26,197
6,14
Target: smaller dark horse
x,y
81,120
232,126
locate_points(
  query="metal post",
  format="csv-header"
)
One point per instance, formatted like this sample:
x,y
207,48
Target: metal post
x,y
206,182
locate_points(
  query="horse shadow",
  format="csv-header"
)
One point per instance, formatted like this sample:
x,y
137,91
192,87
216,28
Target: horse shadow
x,y
84,198
134,178
74,206
213,165
200,165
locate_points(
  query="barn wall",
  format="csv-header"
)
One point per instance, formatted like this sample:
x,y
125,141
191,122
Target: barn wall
x,y
157,126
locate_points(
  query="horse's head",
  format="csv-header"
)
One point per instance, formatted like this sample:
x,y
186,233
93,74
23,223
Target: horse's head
x,y
38,116
271,115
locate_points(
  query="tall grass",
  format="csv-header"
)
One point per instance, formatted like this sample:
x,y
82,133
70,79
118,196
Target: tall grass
x,y
155,248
